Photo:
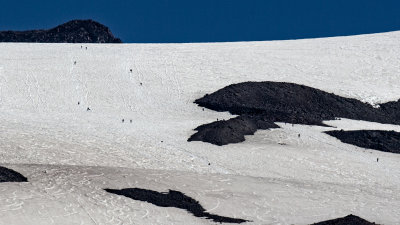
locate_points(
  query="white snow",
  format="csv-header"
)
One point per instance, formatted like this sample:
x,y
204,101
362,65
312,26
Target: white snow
x,y
70,155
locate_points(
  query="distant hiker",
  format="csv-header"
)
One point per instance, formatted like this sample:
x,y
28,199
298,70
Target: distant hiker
x,y
86,48
79,103
141,84
123,120
203,109
377,159
88,109
130,121
299,135
74,62
81,46
217,119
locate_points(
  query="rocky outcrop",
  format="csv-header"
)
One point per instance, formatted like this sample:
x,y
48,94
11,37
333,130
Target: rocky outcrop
x,y
173,199
9,175
348,220
386,141
260,104
75,31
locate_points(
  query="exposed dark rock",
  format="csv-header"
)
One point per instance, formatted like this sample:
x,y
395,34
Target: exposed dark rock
x,y
348,220
172,199
288,102
392,109
75,31
230,131
282,102
386,141
8,175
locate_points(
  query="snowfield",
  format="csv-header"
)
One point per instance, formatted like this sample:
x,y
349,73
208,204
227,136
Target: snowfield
x,y
69,154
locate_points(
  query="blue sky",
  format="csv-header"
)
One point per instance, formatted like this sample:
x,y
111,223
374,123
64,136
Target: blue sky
x,y
210,20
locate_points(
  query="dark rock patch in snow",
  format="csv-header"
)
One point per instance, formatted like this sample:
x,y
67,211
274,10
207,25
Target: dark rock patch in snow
x,y
8,175
172,199
75,31
348,220
392,109
281,102
233,130
386,141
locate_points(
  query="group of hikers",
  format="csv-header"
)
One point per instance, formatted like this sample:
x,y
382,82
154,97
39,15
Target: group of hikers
x,y
141,84
123,120
130,70
88,109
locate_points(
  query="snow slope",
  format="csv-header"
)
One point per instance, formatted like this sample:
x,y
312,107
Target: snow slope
x,y
70,154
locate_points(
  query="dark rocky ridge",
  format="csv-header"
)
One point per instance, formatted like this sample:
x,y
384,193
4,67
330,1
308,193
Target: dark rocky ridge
x,y
173,199
391,108
231,131
282,102
386,141
9,175
348,220
75,31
